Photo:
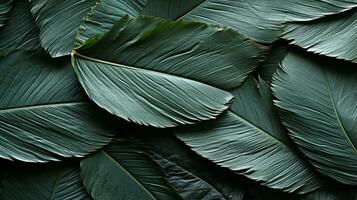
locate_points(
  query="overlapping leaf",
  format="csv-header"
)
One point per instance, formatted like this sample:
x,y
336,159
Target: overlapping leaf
x,y
123,170
105,14
43,113
260,20
165,73
249,140
5,7
20,31
43,182
59,22
334,36
318,101
192,176
273,60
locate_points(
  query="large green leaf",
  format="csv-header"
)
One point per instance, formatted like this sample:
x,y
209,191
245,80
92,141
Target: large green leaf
x,y
105,14
318,98
165,73
43,113
123,170
249,140
20,31
192,176
5,7
261,20
43,182
334,36
59,22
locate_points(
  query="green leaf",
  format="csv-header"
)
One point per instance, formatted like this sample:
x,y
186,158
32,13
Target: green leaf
x,y
333,36
165,73
318,98
59,22
192,176
249,140
20,32
105,14
277,53
5,7
331,194
123,170
43,182
44,115
260,20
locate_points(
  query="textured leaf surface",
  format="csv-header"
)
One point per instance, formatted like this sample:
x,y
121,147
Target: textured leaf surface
x,y
318,101
123,170
249,140
105,14
43,113
277,53
260,20
20,31
59,23
165,73
191,175
334,36
5,7
43,182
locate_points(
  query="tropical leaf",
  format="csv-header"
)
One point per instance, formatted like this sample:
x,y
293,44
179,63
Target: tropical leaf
x,y
257,19
165,73
334,36
59,22
318,99
105,14
331,194
43,113
5,7
192,176
43,182
20,32
123,170
273,60
249,140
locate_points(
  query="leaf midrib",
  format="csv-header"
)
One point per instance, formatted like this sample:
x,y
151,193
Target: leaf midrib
x,y
129,174
337,115
258,128
75,53
41,106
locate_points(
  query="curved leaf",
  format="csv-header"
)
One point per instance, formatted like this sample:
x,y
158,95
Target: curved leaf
x,y
55,182
277,53
44,115
333,36
105,14
20,32
165,73
192,176
5,7
260,20
331,194
249,140
124,171
59,22
187,184
318,102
